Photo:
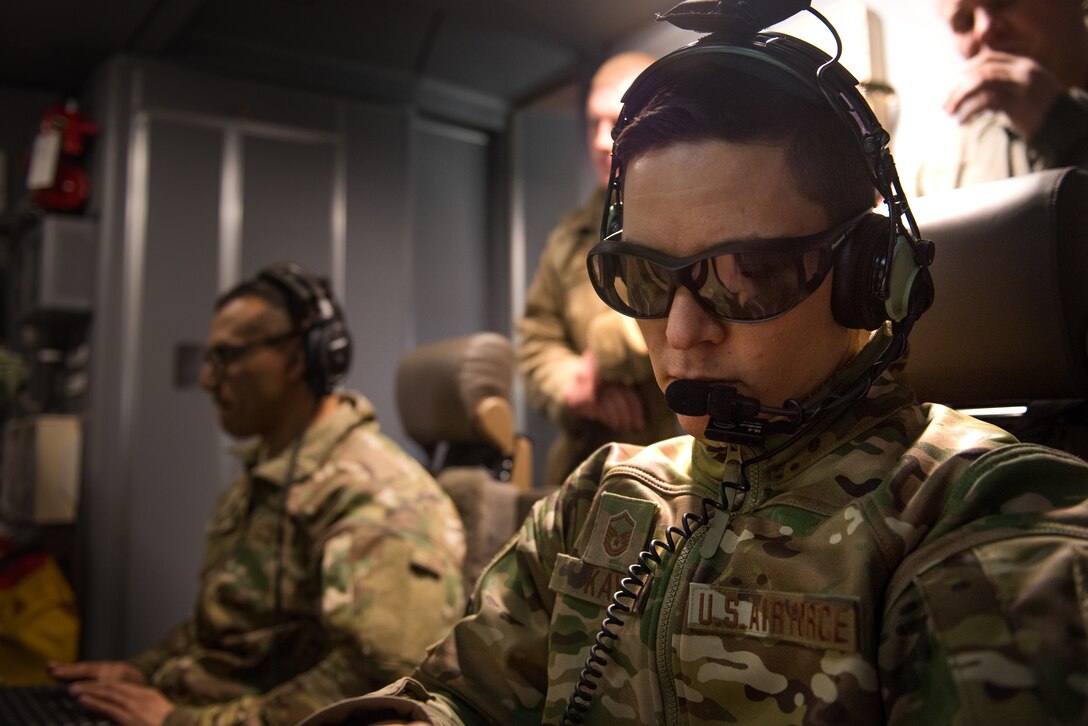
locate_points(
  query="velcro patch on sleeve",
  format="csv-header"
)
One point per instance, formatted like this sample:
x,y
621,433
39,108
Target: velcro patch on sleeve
x,y
620,531
584,581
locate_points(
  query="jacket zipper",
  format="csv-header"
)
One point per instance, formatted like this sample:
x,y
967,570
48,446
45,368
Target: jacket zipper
x,y
708,538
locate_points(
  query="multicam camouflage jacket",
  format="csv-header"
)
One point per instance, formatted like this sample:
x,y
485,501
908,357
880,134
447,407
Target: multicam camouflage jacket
x,y
896,563
304,589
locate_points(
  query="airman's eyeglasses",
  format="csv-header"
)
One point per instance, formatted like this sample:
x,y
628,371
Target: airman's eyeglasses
x,y
224,354
744,281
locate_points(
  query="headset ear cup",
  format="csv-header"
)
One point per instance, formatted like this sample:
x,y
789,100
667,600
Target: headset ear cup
x,y
334,352
315,370
857,267
328,352
326,344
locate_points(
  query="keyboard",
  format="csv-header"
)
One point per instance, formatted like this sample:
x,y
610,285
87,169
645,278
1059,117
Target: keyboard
x,y
44,706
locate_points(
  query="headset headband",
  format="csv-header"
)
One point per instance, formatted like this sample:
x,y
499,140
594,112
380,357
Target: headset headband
x,y
306,294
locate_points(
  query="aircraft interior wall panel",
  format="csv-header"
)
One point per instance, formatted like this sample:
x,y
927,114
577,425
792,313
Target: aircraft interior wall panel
x,y
378,298
287,198
450,233
175,480
172,88
103,510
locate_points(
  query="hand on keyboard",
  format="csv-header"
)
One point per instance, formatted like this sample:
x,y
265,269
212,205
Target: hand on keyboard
x,y
126,703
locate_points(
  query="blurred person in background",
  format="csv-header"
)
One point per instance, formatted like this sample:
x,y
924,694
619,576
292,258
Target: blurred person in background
x,y
315,551
1021,98
582,364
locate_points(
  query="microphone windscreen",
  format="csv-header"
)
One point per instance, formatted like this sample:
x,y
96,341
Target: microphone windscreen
x,y
687,397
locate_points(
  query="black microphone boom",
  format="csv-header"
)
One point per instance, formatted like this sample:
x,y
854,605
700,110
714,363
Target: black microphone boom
x,y
733,417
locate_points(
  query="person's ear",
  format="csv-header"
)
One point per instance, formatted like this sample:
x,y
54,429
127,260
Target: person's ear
x,y
296,362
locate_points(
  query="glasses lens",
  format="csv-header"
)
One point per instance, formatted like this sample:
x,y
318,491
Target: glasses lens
x,y
759,285
631,284
215,358
739,286
649,286
222,355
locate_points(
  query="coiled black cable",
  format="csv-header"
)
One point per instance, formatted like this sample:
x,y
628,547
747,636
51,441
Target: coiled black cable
x,y
648,561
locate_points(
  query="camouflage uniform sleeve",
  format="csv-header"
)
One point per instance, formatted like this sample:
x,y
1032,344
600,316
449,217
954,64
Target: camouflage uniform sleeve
x,y
493,668
388,592
284,705
376,708
365,601
181,639
986,622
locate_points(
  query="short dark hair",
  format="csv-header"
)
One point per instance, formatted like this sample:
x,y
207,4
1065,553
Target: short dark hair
x,y
713,101
262,289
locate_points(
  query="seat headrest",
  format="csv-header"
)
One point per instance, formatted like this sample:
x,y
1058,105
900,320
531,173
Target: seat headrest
x,y
439,386
1010,317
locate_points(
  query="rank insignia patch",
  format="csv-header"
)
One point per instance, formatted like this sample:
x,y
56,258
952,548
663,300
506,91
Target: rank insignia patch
x,y
617,535
620,531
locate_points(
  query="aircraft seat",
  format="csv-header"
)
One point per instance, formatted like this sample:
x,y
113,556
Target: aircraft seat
x,y
1009,322
453,397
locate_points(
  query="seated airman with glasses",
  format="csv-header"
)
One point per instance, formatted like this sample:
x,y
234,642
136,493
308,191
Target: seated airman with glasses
x,y
315,549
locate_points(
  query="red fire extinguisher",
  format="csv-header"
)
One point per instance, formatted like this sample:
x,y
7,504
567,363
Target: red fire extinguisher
x,y
56,176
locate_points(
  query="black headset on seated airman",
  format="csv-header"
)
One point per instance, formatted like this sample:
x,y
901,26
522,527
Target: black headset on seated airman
x,y
326,343
880,271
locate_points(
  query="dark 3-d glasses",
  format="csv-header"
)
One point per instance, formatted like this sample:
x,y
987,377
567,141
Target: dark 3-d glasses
x,y
743,281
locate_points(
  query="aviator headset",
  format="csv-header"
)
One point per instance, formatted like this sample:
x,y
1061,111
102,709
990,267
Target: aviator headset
x,y
880,266
326,342
880,263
